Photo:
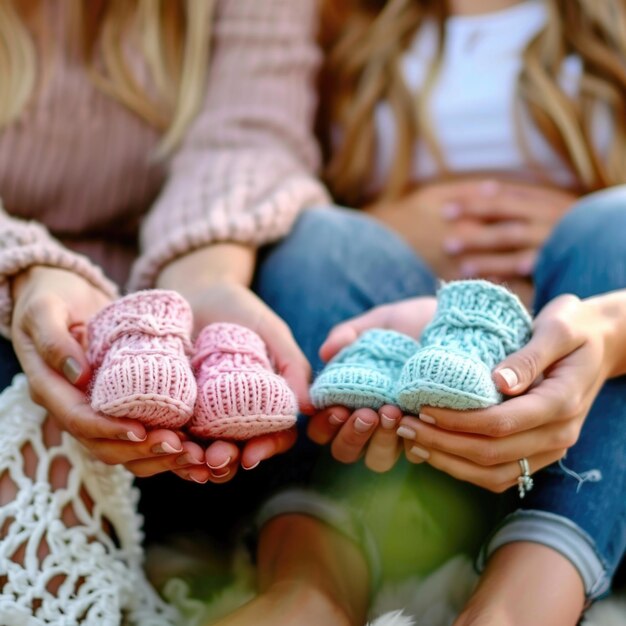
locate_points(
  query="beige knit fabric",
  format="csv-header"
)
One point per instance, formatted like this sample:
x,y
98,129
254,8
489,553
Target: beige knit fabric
x,y
80,164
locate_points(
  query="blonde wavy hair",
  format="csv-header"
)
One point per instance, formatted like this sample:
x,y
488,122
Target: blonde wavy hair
x,y
365,39
173,37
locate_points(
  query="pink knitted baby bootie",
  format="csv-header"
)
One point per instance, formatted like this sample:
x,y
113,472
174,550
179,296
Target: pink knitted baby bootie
x,y
239,395
139,347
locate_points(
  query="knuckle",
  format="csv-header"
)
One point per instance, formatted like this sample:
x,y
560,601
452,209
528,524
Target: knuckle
x,y
571,406
501,427
514,233
528,362
488,454
570,436
33,392
561,326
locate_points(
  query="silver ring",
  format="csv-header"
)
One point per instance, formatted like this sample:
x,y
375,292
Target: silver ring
x,y
525,482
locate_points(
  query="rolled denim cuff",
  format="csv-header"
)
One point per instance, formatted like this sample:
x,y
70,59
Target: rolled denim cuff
x,y
338,517
558,533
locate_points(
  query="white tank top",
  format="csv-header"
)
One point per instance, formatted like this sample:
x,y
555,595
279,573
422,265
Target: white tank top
x,y
472,104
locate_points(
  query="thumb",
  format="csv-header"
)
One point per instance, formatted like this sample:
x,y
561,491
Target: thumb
x,y
291,364
556,334
520,370
58,344
349,331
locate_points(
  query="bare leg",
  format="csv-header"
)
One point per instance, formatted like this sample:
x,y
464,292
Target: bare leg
x,y
526,584
308,574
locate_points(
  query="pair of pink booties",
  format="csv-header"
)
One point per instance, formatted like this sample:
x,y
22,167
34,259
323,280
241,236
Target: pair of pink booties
x,y
223,387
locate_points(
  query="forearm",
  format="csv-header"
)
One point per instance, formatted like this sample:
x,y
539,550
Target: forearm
x,y
208,266
611,310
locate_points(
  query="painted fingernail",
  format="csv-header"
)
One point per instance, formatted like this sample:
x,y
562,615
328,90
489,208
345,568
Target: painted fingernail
x,y
200,479
361,426
489,188
510,377
187,459
417,451
406,433
251,467
453,246
468,270
71,369
525,268
427,418
387,422
334,420
221,465
131,436
221,474
450,210
165,448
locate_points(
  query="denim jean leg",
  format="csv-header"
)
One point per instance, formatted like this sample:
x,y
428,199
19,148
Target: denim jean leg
x,y
578,506
335,264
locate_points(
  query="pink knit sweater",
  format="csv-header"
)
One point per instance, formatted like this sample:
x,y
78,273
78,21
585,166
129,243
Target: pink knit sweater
x,y
76,173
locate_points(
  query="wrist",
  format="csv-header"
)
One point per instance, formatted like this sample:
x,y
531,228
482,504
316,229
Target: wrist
x,y
218,264
610,313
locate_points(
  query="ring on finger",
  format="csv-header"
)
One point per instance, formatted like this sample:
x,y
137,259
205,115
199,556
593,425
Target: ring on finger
x,y
524,481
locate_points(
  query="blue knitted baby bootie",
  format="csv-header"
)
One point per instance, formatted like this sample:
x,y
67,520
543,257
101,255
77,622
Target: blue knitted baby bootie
x,y
364,374
477,324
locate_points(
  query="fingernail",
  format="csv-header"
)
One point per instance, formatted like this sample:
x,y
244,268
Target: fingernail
x,y
361,426
417,451
131,436
187,459
450,210
201,480
427,418
510,377
221,474
489,188
165,448
251,466
334,420
468,270
406,433
525,268
71,369
452,246
387,422
221,465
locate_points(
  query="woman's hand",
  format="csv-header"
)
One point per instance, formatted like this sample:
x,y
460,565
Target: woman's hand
x,y
555,379
52,308
496,228
419,217
350,433
214,280
477,227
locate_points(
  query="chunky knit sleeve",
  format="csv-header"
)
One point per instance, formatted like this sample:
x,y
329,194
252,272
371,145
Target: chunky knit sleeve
x,y
24,244
247,166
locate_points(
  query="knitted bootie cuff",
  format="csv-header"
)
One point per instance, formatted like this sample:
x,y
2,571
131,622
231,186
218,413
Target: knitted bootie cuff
x,y
155,312
481,302
379,344
225,338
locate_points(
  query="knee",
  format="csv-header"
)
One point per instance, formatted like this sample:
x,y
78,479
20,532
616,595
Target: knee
x,y
331,247
596,223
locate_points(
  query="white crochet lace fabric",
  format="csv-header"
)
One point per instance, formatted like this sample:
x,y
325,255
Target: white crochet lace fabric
x,y
100,572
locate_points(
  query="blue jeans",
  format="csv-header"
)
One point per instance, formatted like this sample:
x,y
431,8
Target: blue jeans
x,y
337,263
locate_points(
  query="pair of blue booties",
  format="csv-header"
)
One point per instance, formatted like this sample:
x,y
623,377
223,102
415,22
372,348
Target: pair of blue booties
x,y
477,324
